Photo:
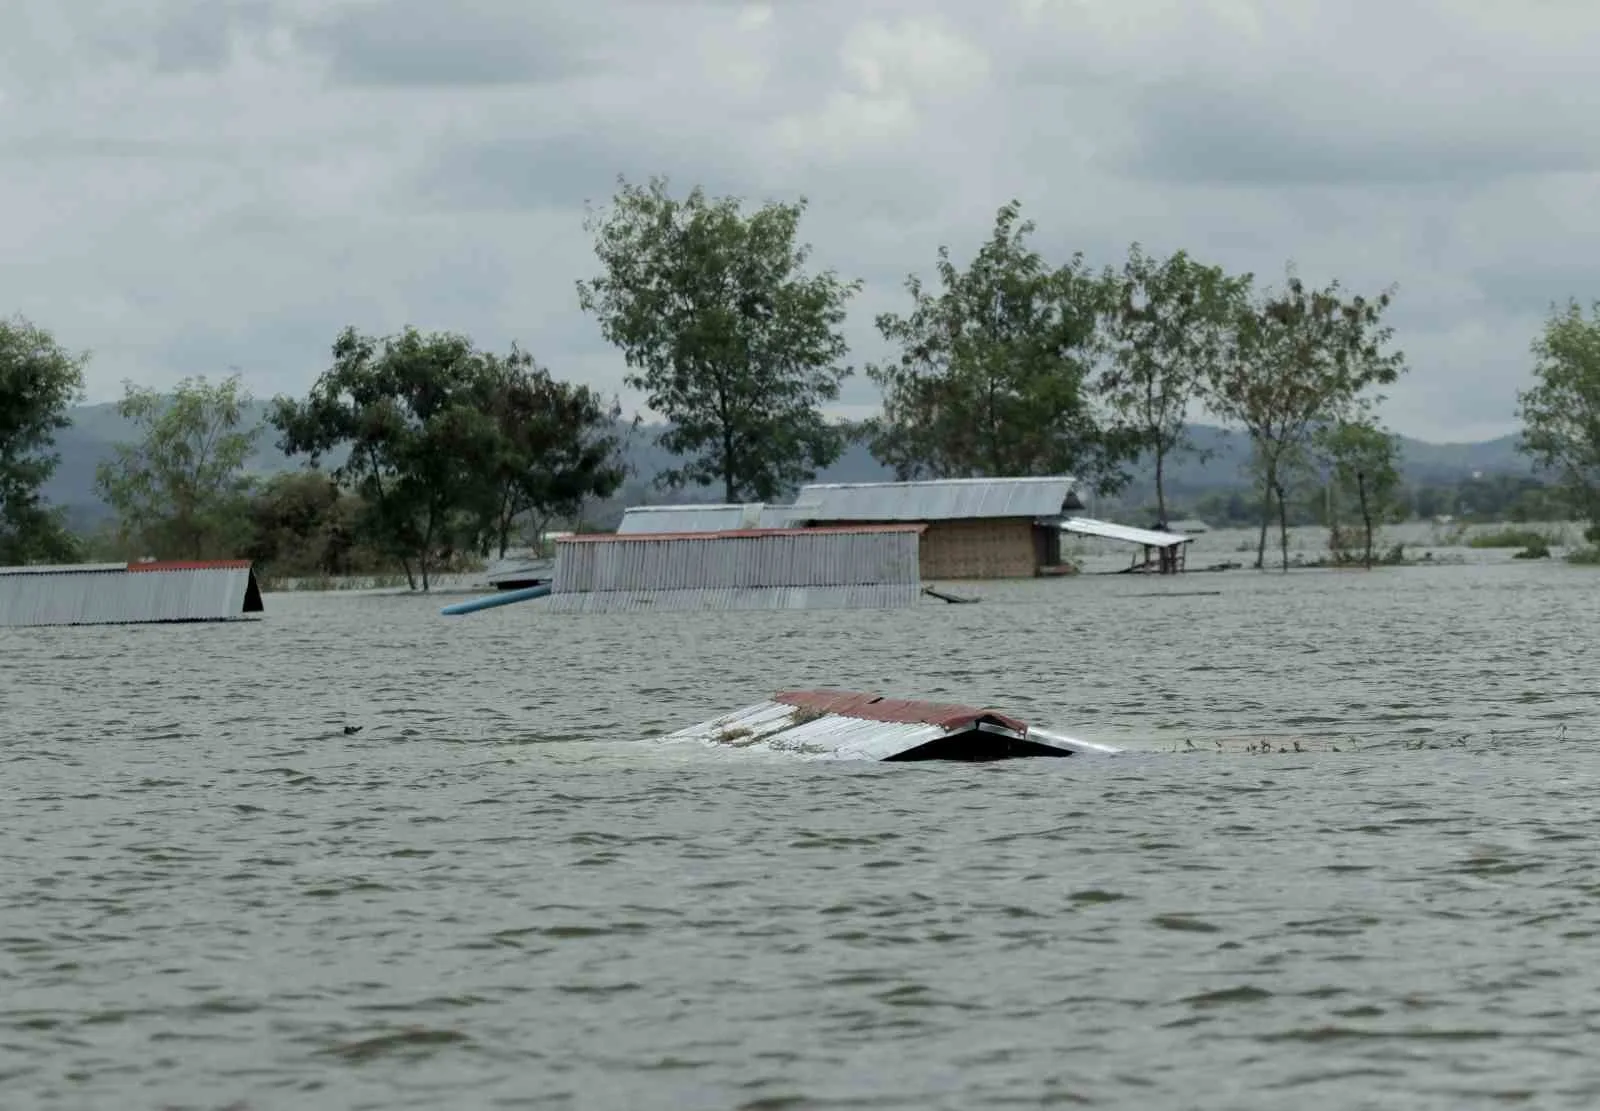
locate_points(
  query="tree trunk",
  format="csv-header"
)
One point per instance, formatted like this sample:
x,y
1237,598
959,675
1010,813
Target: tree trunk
x,y
1366,513
405,565
1283,523
725,412
1161,495
1266,521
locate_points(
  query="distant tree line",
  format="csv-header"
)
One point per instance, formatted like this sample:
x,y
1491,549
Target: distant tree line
x,y
420,448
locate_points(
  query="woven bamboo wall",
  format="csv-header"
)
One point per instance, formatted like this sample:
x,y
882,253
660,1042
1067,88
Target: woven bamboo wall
x,y
999,548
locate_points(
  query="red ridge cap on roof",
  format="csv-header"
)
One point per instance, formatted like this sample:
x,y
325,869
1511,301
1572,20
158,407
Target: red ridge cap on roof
x,y
192,565
875,707
733,534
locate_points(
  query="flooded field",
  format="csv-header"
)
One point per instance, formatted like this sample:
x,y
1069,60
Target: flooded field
x,y
360,855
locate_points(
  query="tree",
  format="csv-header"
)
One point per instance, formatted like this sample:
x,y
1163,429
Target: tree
x,y
39,381
413,411
1561,412
991,378
302,523
735,345
180,490
558,446
1166,324
1297,359
1362,465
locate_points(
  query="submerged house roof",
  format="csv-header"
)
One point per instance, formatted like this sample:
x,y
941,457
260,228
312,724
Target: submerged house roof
x,y
703,518
849,725
943,499
128,593
1087,526
857,567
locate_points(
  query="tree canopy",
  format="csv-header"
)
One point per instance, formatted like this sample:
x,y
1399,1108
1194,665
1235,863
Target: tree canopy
x,y
723,329
39,381
448,446
1560,412
993,373
1298,358
1167,324
180,489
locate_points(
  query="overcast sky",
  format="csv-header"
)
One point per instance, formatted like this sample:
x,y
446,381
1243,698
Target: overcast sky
x,y
191,186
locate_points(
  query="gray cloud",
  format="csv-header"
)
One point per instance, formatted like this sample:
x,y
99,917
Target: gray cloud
x,y
423,43
197,184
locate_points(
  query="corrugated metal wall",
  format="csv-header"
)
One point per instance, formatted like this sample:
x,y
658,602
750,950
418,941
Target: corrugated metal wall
x,y
116,594
810,558
776,570
880,596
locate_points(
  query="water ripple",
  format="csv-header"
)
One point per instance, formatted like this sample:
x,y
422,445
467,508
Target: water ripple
x,y
1348,864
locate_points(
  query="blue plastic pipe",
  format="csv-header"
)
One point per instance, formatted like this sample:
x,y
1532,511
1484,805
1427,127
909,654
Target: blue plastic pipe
x,y
502,598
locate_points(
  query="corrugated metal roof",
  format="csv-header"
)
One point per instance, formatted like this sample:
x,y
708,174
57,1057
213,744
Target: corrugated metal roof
x,y
119,594
802,557
938,500
879,596
845,725
1087,526
702,518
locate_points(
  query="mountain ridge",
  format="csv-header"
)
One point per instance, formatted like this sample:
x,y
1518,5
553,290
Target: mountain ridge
x,y
1217,463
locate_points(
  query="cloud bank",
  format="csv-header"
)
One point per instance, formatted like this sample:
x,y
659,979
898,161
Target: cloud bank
x,y
196,186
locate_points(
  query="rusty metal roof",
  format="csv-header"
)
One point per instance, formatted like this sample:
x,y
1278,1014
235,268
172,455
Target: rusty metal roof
x,y
128,593
846,725
855,566
938,500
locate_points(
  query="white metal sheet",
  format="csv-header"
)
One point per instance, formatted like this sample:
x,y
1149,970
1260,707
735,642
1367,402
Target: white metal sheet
x,y
1088,526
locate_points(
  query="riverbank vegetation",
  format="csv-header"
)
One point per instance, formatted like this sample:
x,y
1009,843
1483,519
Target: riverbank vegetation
x,y
421,453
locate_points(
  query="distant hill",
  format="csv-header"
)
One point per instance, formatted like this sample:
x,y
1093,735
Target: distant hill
x,y
95,428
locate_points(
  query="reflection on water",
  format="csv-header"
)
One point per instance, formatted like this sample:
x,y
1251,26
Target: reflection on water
x,y
493,895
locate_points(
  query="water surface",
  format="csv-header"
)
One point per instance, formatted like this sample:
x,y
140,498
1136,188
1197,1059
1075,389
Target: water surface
x,y
496,895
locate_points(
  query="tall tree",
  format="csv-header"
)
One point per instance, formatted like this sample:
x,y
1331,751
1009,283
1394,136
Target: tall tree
x,y
558,446
180,490
1166,325
413,410
39,381
992,377
733,342
1561,411
1299,358
1362,465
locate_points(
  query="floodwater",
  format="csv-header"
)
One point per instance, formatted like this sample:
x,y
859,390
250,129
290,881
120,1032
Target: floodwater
x,y
495,894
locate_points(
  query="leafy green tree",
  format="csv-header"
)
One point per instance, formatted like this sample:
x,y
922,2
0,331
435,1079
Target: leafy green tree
x,y
302,523
1299,358
413,412
992,377
180,490
1166,323
734,344
39,381
1362,464
558,446
1560,412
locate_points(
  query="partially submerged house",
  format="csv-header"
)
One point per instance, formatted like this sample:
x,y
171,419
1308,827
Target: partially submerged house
x,y
851,567
976,528
128,593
